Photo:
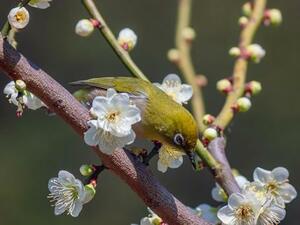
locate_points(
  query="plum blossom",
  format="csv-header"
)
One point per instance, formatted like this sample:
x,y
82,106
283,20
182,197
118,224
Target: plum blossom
x,y
275,183
18,17
112,126
218,193
249,208
208,213
69,194
127,39
173,87
25,97
169,158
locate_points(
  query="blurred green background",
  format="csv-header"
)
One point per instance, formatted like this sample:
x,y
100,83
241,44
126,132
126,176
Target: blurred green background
x,y
36,146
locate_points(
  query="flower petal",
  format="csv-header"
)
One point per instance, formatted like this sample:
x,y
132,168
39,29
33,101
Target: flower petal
x,y
235,200
100,106
108,143
261,175
76,209
241,180
217,194
52,184
287,192
226,215
58,210
172,78
185,93
132,115
161,167
176,163
66,177
280,174
90,136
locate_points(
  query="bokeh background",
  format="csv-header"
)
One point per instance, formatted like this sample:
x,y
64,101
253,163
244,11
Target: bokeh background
x,y
36,146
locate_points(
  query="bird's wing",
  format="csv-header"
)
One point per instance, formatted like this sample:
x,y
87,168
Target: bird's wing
x,y
130,85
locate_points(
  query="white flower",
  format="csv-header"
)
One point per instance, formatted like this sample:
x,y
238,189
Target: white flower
x,y
28,99
208,213
68,193
11,93
113,126
127,39
276,183
256,52
151,219
18,17
84,28
169,158
247,208
219,194
41,4
172,86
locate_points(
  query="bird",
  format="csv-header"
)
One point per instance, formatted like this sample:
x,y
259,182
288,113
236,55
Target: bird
x,y
163,120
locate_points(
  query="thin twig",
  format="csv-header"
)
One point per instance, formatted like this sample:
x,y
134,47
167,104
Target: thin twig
x,y
185,64
111,39
122,163
241,64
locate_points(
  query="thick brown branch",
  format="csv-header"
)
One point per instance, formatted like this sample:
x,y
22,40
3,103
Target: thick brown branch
x,y
121,163
223,175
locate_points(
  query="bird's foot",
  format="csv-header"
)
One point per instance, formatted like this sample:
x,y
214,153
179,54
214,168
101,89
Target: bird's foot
x,y
154,152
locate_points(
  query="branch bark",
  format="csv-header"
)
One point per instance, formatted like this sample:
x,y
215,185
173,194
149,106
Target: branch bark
x,y
121,163
224,174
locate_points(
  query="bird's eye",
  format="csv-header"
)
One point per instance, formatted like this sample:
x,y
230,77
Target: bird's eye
x,y
178,139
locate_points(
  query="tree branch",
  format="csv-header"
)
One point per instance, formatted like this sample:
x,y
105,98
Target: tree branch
x,y
185,60
224,174
241,64
110,38
121,163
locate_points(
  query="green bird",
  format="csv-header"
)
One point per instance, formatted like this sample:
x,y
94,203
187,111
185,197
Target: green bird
x,y
163,119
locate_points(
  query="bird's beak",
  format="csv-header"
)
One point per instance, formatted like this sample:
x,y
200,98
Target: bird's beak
x,y
194,159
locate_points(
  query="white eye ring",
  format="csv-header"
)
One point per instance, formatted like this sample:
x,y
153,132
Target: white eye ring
x,y
178,139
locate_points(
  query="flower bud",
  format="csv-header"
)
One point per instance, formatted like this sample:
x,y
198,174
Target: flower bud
x,y
201,80
210,134
224,86
20,85
235,52
254,87
243,104
243,21
247,9
208,119
255,52
173,55
127,39
18,17
84,28
90,192
188,33
86,170
273,17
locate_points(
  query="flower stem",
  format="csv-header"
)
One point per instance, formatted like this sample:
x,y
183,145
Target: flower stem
x,y
185,64
111,39
241,65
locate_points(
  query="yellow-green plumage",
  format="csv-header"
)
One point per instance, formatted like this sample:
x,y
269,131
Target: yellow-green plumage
x,y
162,117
